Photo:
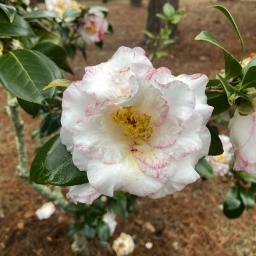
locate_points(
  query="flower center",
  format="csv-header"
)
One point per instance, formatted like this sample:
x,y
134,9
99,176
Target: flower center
x,y
91,27
135,125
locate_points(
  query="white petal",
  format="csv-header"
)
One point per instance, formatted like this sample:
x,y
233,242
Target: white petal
x,y
83,193
66,138
183,175
76,105
125,176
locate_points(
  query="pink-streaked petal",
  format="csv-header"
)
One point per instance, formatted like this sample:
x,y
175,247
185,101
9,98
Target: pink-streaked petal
x,y
181,100
125,176
161,77
75,105
84,193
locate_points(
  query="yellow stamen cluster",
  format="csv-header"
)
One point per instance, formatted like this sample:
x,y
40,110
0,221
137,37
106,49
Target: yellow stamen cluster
x,y
91,28
135,125
222,159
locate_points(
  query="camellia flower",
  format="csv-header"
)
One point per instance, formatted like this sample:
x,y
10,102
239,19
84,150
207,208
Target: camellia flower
x,y
243,138
221,163
60,6
94,26
134,128
123,245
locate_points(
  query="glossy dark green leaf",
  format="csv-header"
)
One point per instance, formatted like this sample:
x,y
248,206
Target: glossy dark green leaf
x,y
17,28
249,76
46,36
50,124
118,204
31,108
56,53
103,231
219,101
247,197
204,169
9,10
231,19
216,147
233,205
232,65
53,165
25,73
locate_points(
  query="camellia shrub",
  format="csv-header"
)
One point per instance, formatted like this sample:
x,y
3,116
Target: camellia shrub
x,y
127,128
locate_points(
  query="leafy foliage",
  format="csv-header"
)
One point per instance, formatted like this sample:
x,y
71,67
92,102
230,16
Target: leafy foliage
x,y
159,42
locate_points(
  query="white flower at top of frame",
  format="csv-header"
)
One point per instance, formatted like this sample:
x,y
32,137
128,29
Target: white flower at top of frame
x,y
60,6
45,211
94,26
221,163
110,219
134,128
123,245
243,137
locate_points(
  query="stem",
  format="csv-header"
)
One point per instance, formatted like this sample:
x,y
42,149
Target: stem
x,y
18,125
55,195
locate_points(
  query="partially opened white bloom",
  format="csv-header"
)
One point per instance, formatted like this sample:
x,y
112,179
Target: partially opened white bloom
x,y
94,25
60,6
45,211
221,163
123,245
243,137
134,128
110,219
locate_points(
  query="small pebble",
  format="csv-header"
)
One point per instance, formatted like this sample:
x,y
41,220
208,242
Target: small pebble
x,y
149,245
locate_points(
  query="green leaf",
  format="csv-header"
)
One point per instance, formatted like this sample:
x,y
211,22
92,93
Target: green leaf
x,y
50,124
232,93
46,36
56,53
58,83
9,10
231,19
233,205
24,73
168,10
204,169
89,232
247,197
17,28
118,204
232,66
216,147
53,165
245,176
38,14
31,108
103,231
249,76
219,101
